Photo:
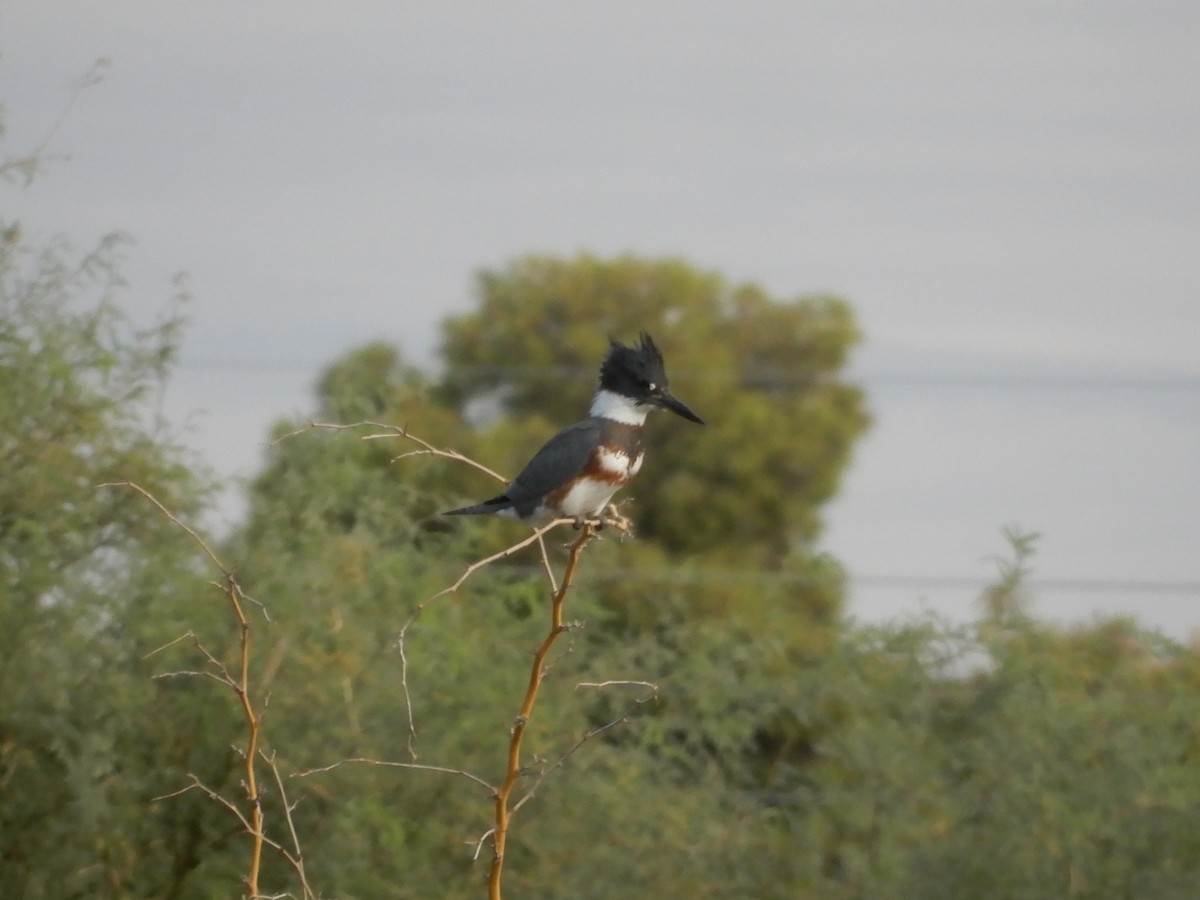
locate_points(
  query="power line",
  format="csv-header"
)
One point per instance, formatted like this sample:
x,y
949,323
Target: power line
x,y
1174,383
1099,383
895,581
1043,585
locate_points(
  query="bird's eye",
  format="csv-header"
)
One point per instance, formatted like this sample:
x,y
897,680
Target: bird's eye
x,y
651,386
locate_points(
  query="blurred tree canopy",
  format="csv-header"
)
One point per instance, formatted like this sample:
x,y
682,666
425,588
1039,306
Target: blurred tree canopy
x,y
91,579
765,373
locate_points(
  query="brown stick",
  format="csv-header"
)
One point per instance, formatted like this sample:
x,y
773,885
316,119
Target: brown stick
x,y
240,686
537,672
253,724
402,636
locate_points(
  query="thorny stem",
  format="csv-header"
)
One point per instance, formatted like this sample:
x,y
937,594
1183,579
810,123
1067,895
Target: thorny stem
x,y
401,638
240,686
537,672
253,722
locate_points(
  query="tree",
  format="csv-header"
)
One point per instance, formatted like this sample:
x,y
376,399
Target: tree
x,y
748,489
90,579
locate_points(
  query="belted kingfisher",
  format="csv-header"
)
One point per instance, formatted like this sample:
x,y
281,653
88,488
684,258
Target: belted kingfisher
x,y
579,469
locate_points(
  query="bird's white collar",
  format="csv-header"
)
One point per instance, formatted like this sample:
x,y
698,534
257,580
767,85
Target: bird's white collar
x,y
610,405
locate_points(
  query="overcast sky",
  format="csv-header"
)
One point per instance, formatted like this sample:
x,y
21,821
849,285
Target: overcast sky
x,y
1007,192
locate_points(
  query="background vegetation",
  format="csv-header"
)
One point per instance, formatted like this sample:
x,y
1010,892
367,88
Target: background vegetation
x,y
789,753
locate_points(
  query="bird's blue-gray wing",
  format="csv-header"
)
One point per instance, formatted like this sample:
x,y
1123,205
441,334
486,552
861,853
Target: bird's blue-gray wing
x,y
563,457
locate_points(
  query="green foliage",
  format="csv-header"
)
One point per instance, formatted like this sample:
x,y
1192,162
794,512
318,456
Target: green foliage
x,y
785,754
875,762
1003,759
74,377
90,580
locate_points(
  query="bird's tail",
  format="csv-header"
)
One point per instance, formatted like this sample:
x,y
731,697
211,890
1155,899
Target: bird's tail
x,y
487,507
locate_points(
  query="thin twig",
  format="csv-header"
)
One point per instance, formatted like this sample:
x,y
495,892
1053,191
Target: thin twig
x,y
587,736
171,643
198,785
546,564
183,790
190,673
296,856
613,683
29,163
445,770
479,564
171,517
384,430
452,589
480,842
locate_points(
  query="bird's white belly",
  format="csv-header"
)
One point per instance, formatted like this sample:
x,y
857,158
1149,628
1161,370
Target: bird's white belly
x,y
587,498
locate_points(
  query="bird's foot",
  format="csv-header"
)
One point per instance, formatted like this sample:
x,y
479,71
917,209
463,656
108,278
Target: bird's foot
x,y
614,517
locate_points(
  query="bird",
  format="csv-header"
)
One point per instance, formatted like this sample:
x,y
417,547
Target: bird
x,y
578,470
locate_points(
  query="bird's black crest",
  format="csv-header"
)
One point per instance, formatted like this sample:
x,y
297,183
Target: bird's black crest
x,y
628,370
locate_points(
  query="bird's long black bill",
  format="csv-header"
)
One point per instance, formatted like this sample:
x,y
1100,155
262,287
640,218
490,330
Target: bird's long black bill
x,y
678,407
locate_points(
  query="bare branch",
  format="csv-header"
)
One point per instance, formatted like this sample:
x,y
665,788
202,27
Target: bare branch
x,y
594,732
183,790
445,770
296,856
240,685
197,784
546,564
479,843
28,165
170,517
603,684
479,564
384,430
171,643
190,673
420,607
